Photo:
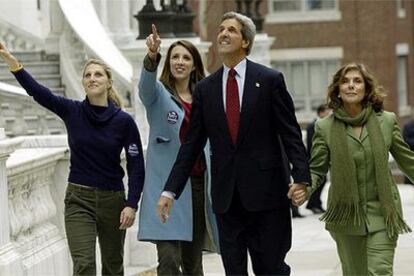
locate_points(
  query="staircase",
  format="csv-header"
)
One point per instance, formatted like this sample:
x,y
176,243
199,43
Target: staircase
x,y
21,115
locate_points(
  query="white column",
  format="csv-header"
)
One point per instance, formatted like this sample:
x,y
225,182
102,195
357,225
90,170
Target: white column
x,y
10,260
261,49
119,15
56,25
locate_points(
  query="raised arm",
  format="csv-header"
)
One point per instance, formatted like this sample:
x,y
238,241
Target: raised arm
x,y
13,63
41,94
148,86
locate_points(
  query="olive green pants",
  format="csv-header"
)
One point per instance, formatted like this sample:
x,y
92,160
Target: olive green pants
x,y
91,213
183,257
372,254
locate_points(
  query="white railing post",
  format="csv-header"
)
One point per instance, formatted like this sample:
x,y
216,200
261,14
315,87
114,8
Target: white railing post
x,y
10,260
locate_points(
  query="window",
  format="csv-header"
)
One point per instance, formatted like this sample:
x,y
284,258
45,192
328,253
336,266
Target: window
x,y
400,9
285,11
402,85
307,81
303,5
308,72
402,51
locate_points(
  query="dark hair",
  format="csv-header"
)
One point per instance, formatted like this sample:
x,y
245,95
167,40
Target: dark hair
x,y
196,75
321,108
374,93
248,29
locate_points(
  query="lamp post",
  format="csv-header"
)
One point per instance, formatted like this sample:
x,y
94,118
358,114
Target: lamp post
x,y
174,19
183,26
163,19
255,15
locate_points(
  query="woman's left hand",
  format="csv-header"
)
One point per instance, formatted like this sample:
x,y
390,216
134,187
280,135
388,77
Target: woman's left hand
x,y
127,218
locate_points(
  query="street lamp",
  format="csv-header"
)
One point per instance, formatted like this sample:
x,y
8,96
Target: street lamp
x,y
174,20
255,16
162,19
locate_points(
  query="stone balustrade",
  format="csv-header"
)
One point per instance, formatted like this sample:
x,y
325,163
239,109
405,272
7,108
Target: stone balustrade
x,y
17,39
33,177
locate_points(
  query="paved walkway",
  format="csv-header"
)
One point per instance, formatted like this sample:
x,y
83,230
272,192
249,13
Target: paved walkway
x,y
313,251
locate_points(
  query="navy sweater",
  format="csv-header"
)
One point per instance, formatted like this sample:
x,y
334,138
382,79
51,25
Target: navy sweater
x,y
96,137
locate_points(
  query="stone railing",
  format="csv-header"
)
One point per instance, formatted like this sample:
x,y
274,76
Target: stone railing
x,y
77,44
30,232
17,39
33,177
20,115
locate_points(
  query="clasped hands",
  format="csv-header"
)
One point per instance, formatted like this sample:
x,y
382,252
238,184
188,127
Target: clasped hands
x,y
297,193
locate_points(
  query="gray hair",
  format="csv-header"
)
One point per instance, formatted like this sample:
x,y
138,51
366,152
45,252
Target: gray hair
x,y
248,29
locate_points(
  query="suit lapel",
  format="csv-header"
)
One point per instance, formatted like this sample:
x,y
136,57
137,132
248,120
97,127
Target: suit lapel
x,y
216,92
250,95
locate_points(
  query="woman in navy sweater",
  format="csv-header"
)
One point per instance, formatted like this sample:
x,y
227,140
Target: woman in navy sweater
x,y
98,130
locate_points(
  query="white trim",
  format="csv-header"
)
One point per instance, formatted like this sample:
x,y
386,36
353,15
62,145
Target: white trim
x,y
400,10
401,13
404,111
402,49
12,89
82,17
303,16
316,53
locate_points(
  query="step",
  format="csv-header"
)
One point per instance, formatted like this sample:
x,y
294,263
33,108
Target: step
x,y
48,80
56,131
24,56
36,68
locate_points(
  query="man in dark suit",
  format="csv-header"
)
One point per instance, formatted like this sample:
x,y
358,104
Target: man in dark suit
x,y
315,202
248,115
408,135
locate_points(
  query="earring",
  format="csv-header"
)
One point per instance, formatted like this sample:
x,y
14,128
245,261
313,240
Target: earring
x,y
339,96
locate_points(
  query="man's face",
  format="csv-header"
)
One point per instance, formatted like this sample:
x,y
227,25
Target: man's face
x,y
230,39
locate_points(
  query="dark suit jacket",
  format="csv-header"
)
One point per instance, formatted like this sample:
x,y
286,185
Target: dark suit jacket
x,y
254,166
310,131
408,134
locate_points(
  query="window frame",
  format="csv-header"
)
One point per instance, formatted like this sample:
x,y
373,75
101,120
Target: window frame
x,y
302,15
306,56
402,51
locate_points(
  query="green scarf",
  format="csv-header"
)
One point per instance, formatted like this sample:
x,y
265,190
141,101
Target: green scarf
x,y
343,201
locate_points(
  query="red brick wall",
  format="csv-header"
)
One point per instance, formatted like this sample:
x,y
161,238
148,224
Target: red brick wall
x,y
368,32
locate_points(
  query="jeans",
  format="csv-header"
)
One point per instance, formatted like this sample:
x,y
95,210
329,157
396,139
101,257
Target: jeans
x,y
91,213
183,257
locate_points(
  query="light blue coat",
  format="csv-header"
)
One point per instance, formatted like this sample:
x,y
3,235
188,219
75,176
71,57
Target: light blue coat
x,y
165,116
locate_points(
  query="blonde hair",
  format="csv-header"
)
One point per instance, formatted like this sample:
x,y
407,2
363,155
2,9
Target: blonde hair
x,y
113,94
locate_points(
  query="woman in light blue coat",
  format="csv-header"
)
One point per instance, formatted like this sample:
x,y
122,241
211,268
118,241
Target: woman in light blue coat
x,y
181,240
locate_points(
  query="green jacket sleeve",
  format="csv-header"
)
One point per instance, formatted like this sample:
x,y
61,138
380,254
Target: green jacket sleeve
x,y
401,152
319,163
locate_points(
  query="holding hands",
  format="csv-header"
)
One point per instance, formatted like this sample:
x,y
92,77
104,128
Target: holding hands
x,y
153,42
297,193
9,58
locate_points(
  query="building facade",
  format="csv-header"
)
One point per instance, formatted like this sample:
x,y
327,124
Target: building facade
x,y
315,37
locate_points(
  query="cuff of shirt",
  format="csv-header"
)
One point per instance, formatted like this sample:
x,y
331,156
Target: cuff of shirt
x,y
151,65
15,70
168,194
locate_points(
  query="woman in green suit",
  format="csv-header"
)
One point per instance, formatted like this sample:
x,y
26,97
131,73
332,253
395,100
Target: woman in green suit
x,y
364,214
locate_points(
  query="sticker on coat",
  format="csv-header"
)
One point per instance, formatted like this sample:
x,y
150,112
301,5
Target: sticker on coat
x,y
172,117
133,150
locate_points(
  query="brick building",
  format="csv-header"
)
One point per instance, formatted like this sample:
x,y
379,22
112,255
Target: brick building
x,y
315,37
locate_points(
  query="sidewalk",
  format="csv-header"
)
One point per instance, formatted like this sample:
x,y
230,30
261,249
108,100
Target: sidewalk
x,y
313,251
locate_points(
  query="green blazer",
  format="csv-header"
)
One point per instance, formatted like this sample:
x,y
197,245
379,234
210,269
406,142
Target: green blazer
x,y
361,152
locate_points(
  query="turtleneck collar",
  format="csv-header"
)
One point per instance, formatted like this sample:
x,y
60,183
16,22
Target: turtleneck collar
x,y
98,115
